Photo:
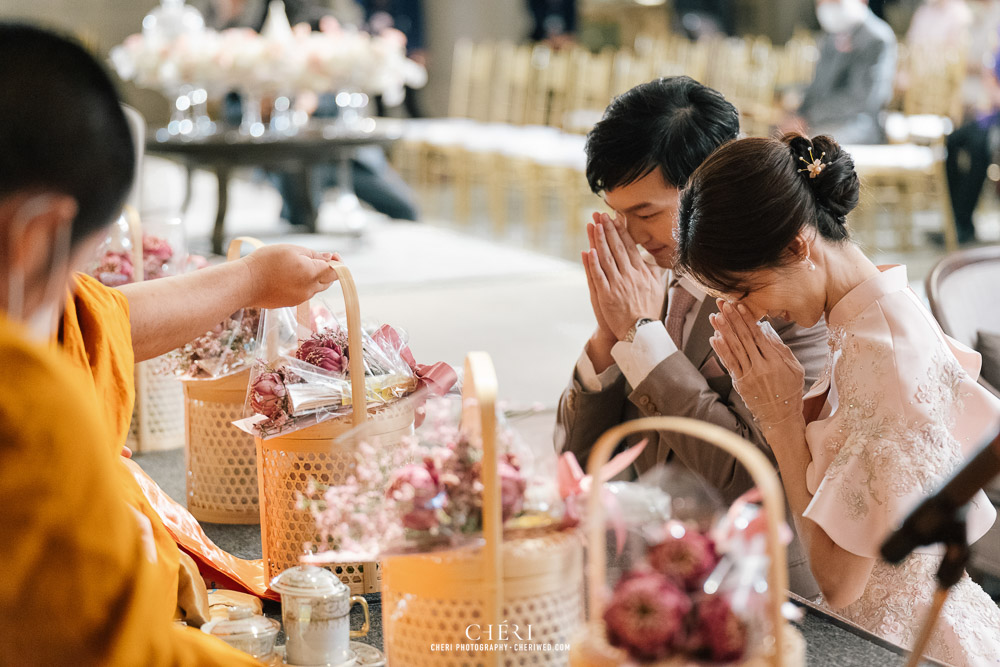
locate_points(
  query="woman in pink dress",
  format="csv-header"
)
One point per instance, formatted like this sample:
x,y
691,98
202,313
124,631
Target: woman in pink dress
x,y
762,226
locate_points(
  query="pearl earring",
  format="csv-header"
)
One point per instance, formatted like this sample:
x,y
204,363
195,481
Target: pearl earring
x,y
810,265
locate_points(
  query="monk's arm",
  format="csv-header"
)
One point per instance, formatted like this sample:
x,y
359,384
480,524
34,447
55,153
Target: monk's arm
x,y
169,312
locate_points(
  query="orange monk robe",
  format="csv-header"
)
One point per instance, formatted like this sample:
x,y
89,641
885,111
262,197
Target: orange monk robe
x,y
78,586
97,336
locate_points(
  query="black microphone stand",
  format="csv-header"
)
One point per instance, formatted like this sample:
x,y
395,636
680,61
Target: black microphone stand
x,y
956,557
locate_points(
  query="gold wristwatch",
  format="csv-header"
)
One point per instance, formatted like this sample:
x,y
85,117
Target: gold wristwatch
x,y
630,336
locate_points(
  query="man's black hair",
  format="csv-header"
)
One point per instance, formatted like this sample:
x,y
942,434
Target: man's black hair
x,y
671,124
62,128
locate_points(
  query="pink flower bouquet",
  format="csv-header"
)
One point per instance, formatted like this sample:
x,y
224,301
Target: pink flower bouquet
x,y
114,265
228,348
308,348
423,495
659,609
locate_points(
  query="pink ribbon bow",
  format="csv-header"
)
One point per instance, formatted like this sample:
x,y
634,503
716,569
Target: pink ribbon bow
x,y
574,485
756,525
437,378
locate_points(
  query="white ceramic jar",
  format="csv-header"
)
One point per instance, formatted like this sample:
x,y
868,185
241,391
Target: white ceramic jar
x,y
315,610
243,630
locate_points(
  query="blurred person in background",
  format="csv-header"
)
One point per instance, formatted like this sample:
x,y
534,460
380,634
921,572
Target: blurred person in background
x,y
984,38
971,150
553,21
940,24
406,16
854,77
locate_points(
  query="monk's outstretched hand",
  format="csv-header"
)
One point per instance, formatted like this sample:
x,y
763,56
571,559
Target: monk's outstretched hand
x,y
286,275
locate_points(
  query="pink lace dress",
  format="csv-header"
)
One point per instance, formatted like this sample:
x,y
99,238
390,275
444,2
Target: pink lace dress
x,y
902,412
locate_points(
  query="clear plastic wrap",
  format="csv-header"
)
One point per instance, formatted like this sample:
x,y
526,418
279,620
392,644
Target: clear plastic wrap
x,y
426,494
300,376
689,580
228,348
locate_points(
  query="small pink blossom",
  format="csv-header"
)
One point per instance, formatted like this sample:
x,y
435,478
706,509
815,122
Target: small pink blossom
x,y
686,560
716,631
268,396
646,615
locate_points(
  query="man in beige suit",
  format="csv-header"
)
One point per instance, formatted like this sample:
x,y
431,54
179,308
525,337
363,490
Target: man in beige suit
x,y
650,353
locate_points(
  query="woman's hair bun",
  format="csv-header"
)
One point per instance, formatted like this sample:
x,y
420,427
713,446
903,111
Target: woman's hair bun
x,y
836,187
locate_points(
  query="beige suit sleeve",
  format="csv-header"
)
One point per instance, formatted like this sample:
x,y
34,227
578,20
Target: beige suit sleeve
x,y
582,416
677,388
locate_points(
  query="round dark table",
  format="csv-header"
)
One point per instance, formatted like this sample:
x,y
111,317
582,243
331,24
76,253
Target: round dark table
x,y
317,143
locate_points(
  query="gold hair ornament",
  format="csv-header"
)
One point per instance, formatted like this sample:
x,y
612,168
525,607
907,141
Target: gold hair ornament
x,y
816,167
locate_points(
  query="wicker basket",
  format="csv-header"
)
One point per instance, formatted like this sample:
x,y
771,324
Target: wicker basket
x,y
785,647
287,463
158,412
433,604
221,459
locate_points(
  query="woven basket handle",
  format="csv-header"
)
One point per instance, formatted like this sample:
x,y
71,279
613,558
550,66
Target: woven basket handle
x,y
236,245
480,383
135,236
760,470
355,352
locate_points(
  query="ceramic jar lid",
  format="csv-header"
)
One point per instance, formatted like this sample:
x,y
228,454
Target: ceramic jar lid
x,y
309,581
243,623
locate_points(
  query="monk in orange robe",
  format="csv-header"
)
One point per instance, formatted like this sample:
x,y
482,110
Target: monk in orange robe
x,y
89,577
79,584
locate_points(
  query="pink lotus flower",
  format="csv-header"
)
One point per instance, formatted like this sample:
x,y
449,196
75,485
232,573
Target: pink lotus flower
x,y
269,397
717,632
324,349
646,615
417,487
686,560
329,359
512,486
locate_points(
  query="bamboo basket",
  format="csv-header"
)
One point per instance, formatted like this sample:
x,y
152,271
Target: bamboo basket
x,y
287,463
158,411
221,460
785,646
534,583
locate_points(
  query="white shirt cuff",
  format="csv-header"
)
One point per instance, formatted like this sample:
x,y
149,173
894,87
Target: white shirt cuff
x,y
588,378
650,346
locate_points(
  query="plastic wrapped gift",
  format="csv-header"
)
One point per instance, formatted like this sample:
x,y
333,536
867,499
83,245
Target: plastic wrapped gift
x,y
513,597
469,526
425,493
683,582
305,373
298,450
